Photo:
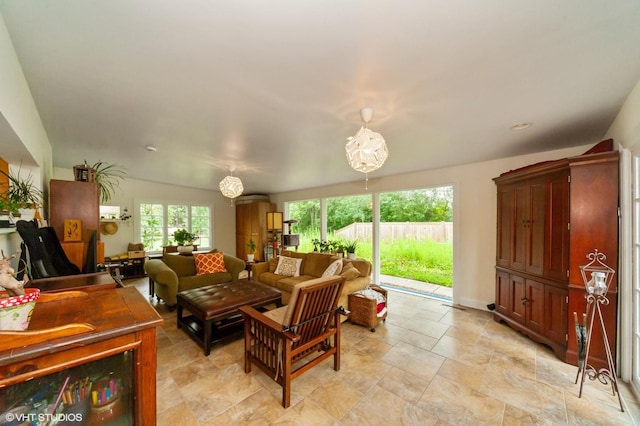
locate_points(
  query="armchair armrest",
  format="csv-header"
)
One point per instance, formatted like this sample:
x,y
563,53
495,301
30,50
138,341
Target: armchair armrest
x,y
259,268
234,266
249,315
159,272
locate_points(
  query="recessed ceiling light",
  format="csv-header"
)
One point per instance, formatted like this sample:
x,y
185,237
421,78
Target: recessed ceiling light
x,y
151,148
521,126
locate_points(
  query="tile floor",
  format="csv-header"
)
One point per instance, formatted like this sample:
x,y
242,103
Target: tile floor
x,y
428,364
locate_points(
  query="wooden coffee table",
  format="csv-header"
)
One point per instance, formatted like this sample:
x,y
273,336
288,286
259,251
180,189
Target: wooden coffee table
x,y
214,309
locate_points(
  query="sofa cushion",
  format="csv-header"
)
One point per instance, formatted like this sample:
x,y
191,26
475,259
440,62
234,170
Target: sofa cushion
x,y
270,278
316,263
288,266
209,263
362,265
197,281
276,314
334,268
286,284
349,271
296,255
288,315
273,264
181,265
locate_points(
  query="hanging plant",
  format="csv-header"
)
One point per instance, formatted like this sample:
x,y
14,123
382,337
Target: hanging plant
x,y
108,177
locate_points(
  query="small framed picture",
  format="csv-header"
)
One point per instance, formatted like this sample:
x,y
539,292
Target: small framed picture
x,y
72,230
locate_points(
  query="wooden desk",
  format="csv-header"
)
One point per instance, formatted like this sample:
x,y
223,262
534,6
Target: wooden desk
x,y
113,334
85,282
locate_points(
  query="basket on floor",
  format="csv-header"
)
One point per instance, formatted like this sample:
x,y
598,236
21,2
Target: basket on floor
x,y
364,311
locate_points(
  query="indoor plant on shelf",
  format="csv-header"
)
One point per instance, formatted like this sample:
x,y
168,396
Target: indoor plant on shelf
x,y
23,197
184,239
251,246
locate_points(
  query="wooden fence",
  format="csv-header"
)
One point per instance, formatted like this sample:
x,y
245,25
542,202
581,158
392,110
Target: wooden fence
x,y
441,232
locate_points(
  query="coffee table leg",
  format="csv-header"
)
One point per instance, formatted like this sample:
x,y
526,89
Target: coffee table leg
x,y
207,337
179,314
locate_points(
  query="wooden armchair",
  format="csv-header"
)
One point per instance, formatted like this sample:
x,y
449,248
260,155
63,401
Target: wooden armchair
x,y
308,327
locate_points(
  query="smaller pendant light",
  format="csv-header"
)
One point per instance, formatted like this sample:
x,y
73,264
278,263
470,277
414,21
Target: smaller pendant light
x,y
231,186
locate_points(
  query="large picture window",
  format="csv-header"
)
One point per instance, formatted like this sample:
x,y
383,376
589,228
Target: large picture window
x,y
159,221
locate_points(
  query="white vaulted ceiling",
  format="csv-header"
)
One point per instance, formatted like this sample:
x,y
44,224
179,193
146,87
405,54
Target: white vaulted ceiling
x,y
276,87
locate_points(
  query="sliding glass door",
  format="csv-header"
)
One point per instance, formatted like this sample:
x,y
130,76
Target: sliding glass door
x,y
635,379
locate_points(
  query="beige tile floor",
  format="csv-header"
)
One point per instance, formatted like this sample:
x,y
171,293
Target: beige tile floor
x,y
428,364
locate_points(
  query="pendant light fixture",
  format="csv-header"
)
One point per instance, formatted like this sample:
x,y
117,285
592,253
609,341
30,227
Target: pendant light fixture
x,y
231,186
367,150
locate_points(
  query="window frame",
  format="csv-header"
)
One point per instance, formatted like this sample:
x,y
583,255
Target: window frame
x,y
165,225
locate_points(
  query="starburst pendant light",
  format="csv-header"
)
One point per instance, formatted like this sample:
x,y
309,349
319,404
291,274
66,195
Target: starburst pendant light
x,y
366,151
231,186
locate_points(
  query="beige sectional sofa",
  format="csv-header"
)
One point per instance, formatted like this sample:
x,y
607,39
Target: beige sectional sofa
x,y
313,265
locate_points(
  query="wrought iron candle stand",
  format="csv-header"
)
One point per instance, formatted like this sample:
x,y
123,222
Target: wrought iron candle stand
x,y
597,277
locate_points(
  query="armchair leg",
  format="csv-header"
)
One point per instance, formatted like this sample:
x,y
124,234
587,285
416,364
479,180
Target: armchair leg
x,y
247,346
336,344
286,392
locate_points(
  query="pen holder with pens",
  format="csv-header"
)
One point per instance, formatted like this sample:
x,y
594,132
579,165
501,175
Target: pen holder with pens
x,y
75,399
79,408
106,403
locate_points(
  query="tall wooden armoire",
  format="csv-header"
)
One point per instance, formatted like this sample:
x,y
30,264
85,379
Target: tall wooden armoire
x,y
549,217
75,200
251,223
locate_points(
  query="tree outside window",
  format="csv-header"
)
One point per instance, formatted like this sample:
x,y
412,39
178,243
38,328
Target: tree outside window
x,y
158,222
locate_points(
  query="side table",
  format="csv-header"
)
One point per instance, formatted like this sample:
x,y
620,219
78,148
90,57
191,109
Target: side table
x,y
247,267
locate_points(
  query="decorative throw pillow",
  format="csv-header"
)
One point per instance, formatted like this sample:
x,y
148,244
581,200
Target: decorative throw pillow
x,y
349,271
288,266
333,269
209,263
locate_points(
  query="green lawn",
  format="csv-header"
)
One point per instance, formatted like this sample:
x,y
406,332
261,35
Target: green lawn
x,y
426,261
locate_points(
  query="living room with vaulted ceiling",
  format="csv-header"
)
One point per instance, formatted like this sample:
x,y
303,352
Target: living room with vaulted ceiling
x,y
25,142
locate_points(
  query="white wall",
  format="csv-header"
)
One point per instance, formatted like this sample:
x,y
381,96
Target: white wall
x,y
474,214
133,191
625,129
22,135
19,111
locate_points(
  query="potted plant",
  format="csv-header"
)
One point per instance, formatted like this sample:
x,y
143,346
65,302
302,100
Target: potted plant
x,y
184,239
350,248
324,246
22,194
251,246
108,177
274,240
